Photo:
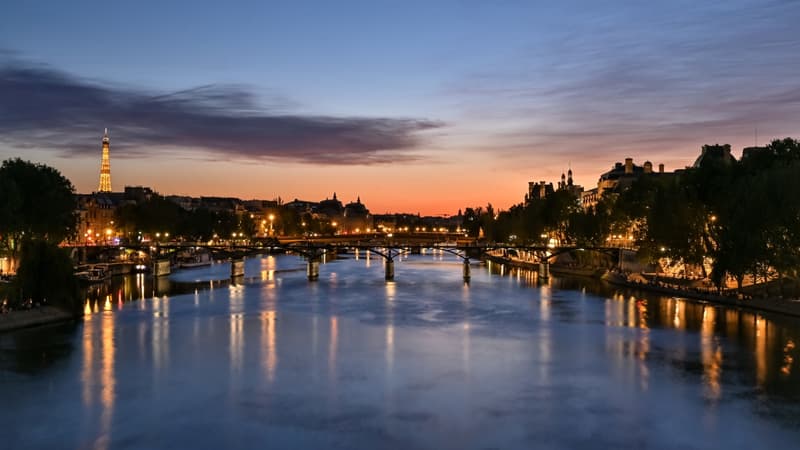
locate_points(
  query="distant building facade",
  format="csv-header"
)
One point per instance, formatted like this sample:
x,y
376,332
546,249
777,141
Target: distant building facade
x,y
620,177
542,189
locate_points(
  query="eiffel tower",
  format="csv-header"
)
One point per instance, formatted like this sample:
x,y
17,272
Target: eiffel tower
x,y
105,167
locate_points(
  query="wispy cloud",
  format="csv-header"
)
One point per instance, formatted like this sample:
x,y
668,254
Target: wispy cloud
x,y
43,107
648,78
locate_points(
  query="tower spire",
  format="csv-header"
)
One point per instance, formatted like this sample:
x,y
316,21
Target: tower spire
x,y
105,166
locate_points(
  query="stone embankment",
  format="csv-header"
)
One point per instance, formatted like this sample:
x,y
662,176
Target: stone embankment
x,y
44,315
790,307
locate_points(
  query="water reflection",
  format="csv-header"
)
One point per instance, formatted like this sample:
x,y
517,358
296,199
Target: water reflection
x,y
466,345
788,359
391,292
160,333
333,346
499,355
108,381
761,349
98,381
270,359
711,354
772,349
236,325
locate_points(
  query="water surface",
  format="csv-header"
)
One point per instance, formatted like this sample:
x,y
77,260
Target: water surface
x,y
351,361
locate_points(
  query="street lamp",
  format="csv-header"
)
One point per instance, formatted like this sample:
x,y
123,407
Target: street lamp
x,y
271,220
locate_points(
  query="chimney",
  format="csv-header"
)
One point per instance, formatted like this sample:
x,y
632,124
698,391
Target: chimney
x,y
661,168
628,165
648,167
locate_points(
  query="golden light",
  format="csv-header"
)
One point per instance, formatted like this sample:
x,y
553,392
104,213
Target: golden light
x,y
271,217
333,224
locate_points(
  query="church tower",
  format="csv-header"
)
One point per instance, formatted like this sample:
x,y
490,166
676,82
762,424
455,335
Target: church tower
x,y
105,167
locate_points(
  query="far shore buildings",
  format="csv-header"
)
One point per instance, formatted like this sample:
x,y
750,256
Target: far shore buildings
x,y
620,177
540,190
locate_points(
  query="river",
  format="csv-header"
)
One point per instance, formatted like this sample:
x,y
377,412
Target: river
x,y
426,361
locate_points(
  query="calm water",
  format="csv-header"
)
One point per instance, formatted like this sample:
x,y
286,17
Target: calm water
x,y
351,361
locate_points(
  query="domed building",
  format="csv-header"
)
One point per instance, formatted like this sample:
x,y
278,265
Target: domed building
x,y
715,154
357,218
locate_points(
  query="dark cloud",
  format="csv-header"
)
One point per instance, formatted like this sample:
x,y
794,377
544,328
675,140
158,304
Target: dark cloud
x,y
45,108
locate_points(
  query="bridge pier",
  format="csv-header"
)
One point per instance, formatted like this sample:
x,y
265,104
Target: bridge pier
x,y
544,270
312,269
389,269
237,267
466,270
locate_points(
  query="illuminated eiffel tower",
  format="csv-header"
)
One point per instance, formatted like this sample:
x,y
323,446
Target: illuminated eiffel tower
x,y
105,167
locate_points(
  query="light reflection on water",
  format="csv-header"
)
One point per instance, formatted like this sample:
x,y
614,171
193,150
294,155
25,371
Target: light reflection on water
x,y
425,361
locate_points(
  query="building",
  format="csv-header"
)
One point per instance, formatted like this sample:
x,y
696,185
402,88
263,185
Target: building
x,y
540,190
566,184
96,211
332,209
720,154
356,217
302,207
620,177
96,214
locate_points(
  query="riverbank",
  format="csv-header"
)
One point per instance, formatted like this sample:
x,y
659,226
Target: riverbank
x,y
790,307
771,305
45,315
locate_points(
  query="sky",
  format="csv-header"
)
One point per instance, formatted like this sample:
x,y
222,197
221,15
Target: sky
x,y
415,106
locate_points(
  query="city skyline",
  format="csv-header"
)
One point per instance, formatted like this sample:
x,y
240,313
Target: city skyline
x,y
389,103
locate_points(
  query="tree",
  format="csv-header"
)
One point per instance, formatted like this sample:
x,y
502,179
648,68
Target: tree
x,y
46,276
36,203
155,215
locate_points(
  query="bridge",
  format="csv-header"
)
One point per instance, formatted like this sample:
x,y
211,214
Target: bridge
x,y
387,247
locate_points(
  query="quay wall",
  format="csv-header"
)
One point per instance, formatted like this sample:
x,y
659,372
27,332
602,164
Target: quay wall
x,y
44,315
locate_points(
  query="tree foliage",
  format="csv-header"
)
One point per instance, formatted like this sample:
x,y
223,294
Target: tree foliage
x,y
46,276
36,203
743,215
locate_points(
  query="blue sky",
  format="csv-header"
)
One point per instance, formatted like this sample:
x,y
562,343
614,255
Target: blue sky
x,y
298,99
